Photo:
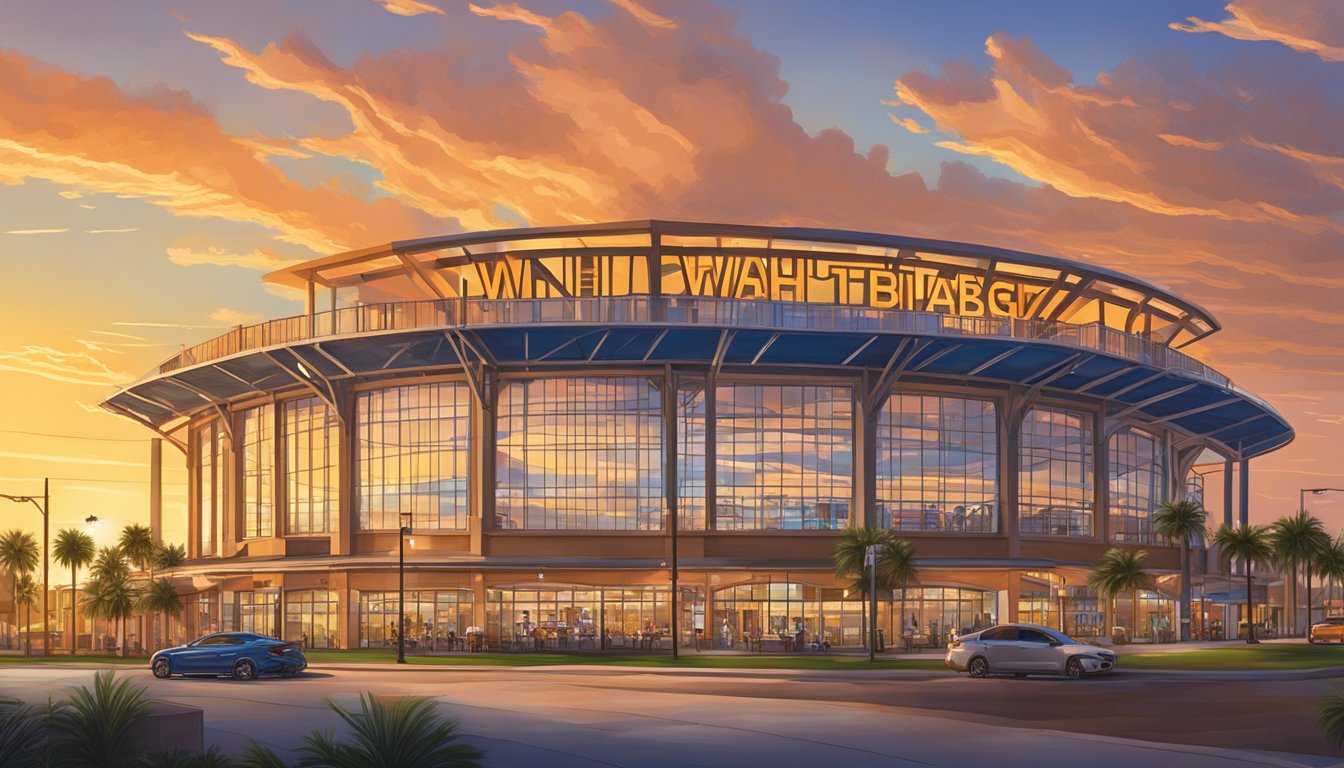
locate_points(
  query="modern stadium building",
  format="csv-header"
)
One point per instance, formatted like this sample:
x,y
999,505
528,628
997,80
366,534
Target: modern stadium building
x,y
541,407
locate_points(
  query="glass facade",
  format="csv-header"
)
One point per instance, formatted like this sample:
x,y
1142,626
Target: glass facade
x,y
258,458
691,433
435,619
312,435
1138,473
784,456
937,464
311,618
253,611
210,473
414,454
931,615
579,454
1055,473
572,617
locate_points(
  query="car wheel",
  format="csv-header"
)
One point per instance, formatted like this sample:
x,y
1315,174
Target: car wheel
x,y
1074,668
977,667
163,669
244,670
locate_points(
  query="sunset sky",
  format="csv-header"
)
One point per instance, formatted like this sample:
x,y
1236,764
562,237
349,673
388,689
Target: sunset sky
x,y
157,158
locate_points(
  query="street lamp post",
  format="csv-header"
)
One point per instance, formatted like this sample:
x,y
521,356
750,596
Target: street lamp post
x,y
46,540
401,588
1302,506
870,559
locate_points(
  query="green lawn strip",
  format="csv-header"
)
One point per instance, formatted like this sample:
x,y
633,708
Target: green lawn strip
x,y
317,658
65,659
1241,658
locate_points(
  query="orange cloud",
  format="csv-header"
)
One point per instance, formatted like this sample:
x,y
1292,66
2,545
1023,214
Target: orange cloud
x,y
87,134
1309,26
261,259
408,7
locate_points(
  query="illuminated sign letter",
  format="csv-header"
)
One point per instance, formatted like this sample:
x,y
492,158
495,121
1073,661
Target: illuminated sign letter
x,y
940,296
884,295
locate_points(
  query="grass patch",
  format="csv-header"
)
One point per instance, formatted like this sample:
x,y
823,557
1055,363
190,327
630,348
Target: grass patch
x,y
1242,657
689,661
66,659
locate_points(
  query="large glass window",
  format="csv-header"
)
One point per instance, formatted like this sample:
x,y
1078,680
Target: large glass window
x,y
1055,480
258,457
210,466
310,618
544,617
931,615
1138,473
312,434
937,464
431,616
256,611
691,456
784,458
413,456
580,454
577,617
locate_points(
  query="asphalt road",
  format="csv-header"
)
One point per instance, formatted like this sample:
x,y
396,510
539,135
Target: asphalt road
x,y
560,717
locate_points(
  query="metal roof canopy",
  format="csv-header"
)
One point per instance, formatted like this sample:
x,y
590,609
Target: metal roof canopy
x,y
1230,420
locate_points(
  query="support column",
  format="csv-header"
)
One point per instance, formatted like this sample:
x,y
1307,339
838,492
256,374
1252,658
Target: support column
x,y
156,489
671,523
1011,596
1244,496
1010,437
1227,492
342,538
865,485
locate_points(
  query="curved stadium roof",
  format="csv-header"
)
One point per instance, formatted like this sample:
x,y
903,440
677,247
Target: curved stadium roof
x,y
725,295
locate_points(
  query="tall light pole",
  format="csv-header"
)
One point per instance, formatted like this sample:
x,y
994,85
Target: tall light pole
x,y
44,507
1302,506
401,588
870,558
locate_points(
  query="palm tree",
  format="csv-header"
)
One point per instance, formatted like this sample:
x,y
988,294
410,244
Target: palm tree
x,y
1180,521
18,554
1296,539
850,560
407,733
169,557
1121,570
1329,565
137,543
26,593
1250,545
161,597
97,728
110,593
73,548
898,567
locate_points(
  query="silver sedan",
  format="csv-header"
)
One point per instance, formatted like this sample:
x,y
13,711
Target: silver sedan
x,y
1025,649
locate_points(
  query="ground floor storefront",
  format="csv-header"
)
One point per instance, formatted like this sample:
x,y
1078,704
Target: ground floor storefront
x,y
780,610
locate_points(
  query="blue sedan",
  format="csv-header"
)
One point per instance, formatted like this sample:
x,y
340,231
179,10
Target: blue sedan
x,y
240,655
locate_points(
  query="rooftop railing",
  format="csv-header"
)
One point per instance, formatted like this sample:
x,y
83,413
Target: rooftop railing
x,y
682,310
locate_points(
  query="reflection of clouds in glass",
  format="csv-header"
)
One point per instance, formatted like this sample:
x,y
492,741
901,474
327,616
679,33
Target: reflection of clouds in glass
x,y
937,464
580,454
413,456
784,456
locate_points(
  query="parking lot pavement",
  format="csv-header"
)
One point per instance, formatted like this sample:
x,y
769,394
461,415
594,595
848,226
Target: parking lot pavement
x,y
636,718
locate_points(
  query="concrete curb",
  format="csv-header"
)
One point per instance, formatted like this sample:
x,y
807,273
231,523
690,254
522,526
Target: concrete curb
x,y
1269,675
